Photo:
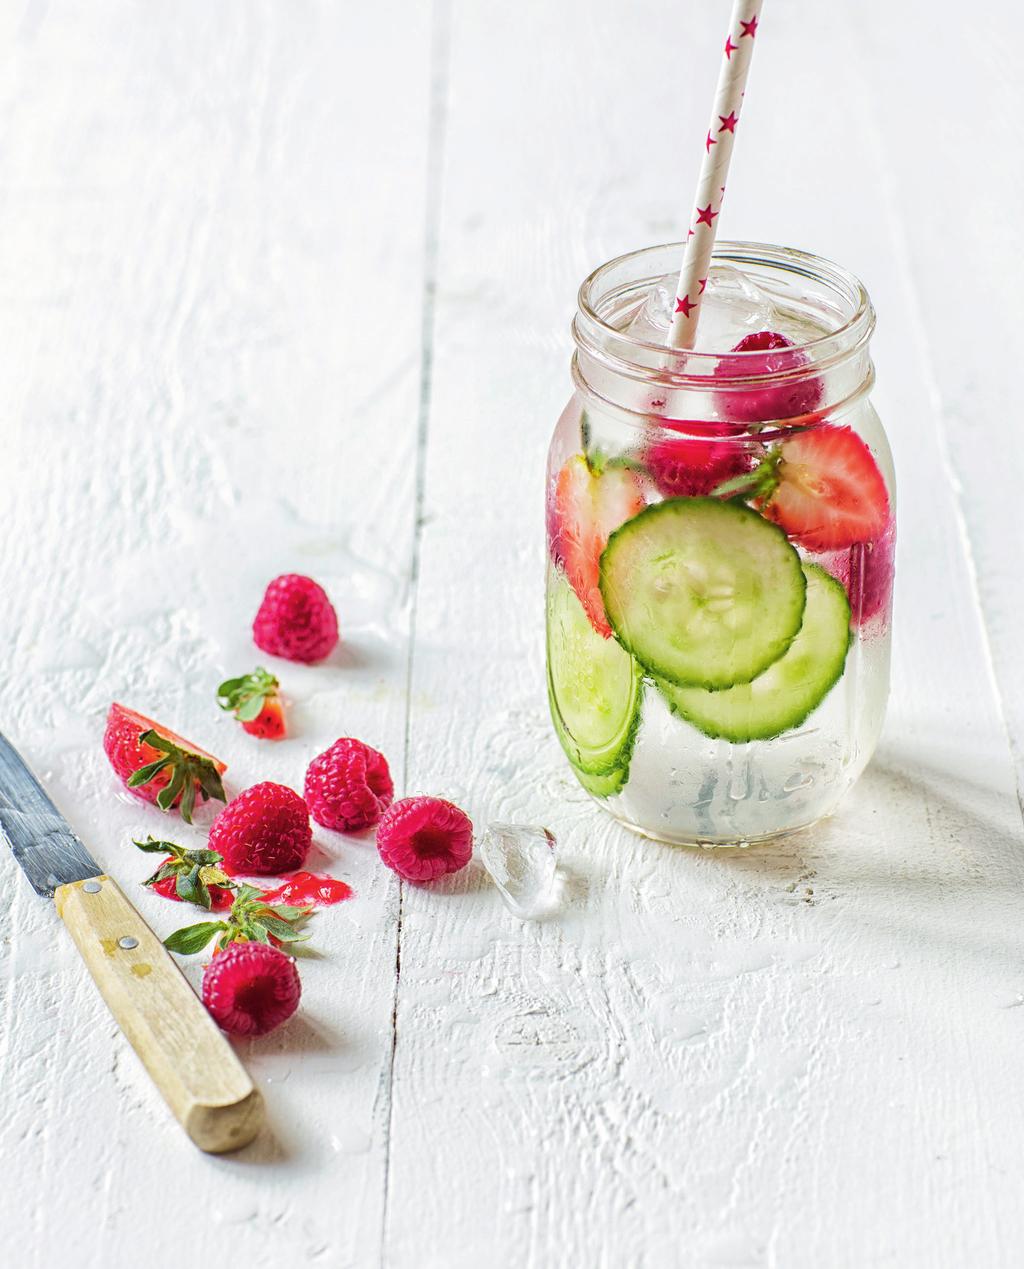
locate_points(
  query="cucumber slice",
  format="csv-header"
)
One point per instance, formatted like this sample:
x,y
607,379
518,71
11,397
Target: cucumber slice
x,y
702,593
603,786
790,690
593,686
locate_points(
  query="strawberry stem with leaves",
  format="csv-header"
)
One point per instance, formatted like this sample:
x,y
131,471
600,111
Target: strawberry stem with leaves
x,y
194,871
757,484
246,696
191,773
251,919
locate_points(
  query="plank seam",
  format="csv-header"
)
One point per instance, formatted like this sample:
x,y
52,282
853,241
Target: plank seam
x,y
436,130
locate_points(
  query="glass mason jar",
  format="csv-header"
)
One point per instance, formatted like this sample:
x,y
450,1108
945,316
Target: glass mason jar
x,y
721,535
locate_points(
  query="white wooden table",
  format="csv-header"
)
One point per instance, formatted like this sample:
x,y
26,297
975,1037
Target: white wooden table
x,y
286,285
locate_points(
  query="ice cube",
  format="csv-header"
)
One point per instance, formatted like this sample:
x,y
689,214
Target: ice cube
x,y
733,306
653,320
520,860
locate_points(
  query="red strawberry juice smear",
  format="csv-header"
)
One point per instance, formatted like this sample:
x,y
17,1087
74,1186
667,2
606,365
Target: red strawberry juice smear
x,y
305,888
301,890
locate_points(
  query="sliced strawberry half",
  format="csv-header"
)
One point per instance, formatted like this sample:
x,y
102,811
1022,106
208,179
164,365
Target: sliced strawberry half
x,y
586,507
158,765
829,492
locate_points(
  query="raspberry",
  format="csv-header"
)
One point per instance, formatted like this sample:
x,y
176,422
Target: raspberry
x,y
866,569
759,405
251,988
424,838
296,620
348,787
691,466
264,830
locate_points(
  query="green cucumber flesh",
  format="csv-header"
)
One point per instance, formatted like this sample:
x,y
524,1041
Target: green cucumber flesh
x,y
593,684
703,593
789,691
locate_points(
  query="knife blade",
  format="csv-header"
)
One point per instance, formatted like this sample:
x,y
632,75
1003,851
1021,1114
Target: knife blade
x,y
42,840
188,1058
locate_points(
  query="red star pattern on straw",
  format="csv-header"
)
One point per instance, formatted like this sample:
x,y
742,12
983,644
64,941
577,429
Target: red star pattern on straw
x,y
749,28
710,142
730,48
685,306
703,284
705,215
729,122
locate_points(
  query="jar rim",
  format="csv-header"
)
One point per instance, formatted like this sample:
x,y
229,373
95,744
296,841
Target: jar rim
x,y
853,331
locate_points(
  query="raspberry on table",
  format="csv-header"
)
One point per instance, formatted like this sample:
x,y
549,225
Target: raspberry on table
x,y
423,838
251,988
264,830
348,787
296,620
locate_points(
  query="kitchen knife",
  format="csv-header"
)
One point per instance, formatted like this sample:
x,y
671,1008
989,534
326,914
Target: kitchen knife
x,y
187,1057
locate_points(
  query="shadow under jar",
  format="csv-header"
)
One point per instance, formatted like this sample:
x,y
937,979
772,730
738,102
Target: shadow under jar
x,y
721,534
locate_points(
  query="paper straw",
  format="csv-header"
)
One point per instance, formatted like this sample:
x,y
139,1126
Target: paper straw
x,y
718,145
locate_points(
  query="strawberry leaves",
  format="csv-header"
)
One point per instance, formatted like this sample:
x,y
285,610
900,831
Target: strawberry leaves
x,y
190,774
193,938
245,697
251,919
759,483
194,871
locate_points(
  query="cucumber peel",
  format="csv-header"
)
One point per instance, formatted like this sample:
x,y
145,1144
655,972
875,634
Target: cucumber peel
x,y
603,786
594,687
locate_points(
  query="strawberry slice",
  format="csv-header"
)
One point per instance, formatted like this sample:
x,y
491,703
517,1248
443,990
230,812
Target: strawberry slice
x,y
158,765
586,507
830,492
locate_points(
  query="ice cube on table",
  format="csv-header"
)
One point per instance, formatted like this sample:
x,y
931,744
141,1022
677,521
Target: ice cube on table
x,y
520,860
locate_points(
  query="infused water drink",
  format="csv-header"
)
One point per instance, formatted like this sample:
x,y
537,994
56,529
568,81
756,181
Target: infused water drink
x,y
721,535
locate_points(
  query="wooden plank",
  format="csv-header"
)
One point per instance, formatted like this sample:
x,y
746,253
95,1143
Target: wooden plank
x,y
803,1056
211,256
958,189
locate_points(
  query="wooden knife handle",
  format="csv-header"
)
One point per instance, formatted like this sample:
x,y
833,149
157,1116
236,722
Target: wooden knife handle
x,y
187,1057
